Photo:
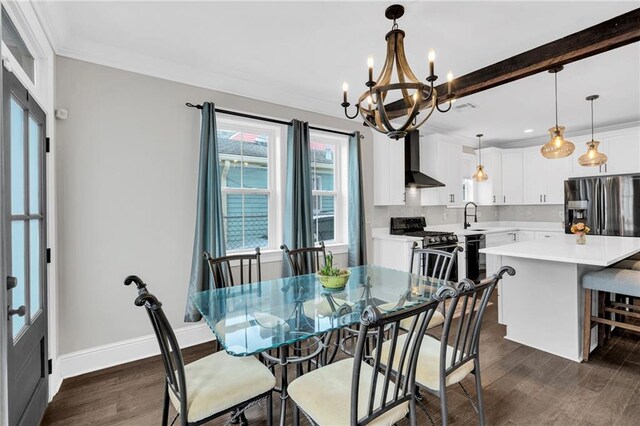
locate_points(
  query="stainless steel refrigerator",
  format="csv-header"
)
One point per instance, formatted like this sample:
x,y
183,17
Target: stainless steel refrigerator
x,y
610,204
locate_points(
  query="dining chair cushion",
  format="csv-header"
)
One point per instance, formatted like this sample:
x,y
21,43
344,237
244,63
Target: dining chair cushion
x,y
220,381
436,320
260,319
428,368
325,395
322,307
612,280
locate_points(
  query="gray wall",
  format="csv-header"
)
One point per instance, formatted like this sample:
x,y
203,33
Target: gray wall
x,y
127,159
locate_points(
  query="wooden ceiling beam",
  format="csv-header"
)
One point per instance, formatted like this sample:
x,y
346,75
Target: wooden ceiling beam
x,y
605,36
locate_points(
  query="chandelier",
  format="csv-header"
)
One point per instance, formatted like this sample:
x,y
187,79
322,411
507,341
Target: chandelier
x,y
592,157
415,94
558,146
480,175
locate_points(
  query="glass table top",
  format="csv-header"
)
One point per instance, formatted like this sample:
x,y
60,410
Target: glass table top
x,y
251,318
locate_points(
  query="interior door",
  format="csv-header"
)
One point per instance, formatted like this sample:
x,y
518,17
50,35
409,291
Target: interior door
x,y
23,169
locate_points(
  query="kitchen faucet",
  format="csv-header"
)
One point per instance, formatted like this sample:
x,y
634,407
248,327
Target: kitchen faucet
x,y
475,214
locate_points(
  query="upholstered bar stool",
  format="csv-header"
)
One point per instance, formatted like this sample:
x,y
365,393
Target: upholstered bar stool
x,y
623,282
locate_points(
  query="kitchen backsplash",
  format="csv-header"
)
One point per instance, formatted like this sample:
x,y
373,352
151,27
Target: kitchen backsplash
x,y
440,215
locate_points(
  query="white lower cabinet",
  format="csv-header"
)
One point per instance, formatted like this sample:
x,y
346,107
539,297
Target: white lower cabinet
x,y
392,253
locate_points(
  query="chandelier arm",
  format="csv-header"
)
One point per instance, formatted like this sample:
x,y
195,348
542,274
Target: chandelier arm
x,y
442,109
404,71
384,119
355,115
411,117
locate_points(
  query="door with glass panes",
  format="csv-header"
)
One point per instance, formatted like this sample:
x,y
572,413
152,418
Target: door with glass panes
x,y
24,235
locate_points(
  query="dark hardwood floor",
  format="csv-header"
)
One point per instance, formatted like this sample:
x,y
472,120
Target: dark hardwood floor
x,y
521,386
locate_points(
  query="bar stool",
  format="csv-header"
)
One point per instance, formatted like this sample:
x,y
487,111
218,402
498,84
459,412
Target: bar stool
x,y
622,282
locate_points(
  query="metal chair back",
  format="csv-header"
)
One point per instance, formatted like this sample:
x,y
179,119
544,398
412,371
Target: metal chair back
x,y
433,263
169,348
306,260
397,385
473,300
222,274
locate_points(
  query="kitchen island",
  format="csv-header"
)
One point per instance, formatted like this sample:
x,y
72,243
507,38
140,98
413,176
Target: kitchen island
x,y
542,305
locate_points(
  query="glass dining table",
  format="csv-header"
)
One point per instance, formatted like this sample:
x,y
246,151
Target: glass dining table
x,y
279,314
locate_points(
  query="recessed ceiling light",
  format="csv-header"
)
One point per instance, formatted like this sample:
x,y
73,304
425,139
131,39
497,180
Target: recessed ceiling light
x,y
528,130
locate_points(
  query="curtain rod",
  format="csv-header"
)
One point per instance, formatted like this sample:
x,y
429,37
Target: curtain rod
x,y
271,120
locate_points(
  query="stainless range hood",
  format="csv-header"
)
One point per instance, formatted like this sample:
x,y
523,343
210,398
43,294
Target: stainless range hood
x,y
413,177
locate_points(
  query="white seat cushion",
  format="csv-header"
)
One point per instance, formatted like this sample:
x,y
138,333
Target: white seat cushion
x,y
219,381
436,320
325,395
428,369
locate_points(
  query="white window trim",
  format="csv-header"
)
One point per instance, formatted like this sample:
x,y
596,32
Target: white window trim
x,y
275,186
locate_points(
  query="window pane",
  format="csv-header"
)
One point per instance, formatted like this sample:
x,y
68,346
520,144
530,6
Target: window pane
x,y
17,47
18,271
324,217
34,267
34,169
243,159
246,220
17,158
322,166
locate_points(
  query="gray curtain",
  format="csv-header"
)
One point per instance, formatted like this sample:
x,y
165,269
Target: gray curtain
x,y
209,233
298,213
357,230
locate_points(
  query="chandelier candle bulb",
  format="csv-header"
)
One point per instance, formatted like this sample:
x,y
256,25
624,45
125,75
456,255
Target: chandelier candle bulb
x,y
345,87
370,65
449,80
432,59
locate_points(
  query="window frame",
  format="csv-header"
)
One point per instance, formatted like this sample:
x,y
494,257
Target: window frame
x,y
274,185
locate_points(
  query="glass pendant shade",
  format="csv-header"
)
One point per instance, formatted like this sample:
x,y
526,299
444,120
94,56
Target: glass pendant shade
x,y
480,175
558,146
592,157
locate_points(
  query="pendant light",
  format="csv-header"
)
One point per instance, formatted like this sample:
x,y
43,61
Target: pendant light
x,y
479,175
558,146
592,157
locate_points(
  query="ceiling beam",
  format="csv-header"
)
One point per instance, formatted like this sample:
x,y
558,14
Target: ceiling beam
x,y
605,36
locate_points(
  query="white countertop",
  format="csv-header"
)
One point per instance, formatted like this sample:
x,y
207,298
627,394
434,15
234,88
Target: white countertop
x,y
599,250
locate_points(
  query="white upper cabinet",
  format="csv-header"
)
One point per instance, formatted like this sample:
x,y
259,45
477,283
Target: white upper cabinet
x,y
544,178
512,177
441,160
490,191
388,172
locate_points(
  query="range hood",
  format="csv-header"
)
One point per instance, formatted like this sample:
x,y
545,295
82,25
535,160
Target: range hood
x,y
413,177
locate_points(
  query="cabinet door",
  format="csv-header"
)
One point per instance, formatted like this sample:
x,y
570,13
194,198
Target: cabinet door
x,y
380,170
535,184
429,165
557,172
623,150
512,177
396,172
452,165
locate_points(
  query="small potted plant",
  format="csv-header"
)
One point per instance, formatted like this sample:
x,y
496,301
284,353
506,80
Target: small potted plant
x,y
332,278
580,230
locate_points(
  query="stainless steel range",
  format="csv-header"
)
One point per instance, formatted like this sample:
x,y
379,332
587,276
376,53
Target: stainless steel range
x,y
414,227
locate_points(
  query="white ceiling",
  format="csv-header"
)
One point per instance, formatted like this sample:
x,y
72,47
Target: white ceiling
x,y
299,53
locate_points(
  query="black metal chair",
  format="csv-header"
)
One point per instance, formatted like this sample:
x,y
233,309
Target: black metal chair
x,y
305,260
209,387
362,389
222,274
436,264
441,365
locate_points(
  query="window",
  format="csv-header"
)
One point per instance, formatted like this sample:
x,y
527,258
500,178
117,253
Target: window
x,y
16,45
252,159
247,165
328,156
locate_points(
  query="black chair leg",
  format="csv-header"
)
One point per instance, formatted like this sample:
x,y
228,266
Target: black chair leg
x,y
165,406
270,410
476,362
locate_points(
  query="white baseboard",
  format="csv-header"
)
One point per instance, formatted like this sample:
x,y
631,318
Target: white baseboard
x,y
99,357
